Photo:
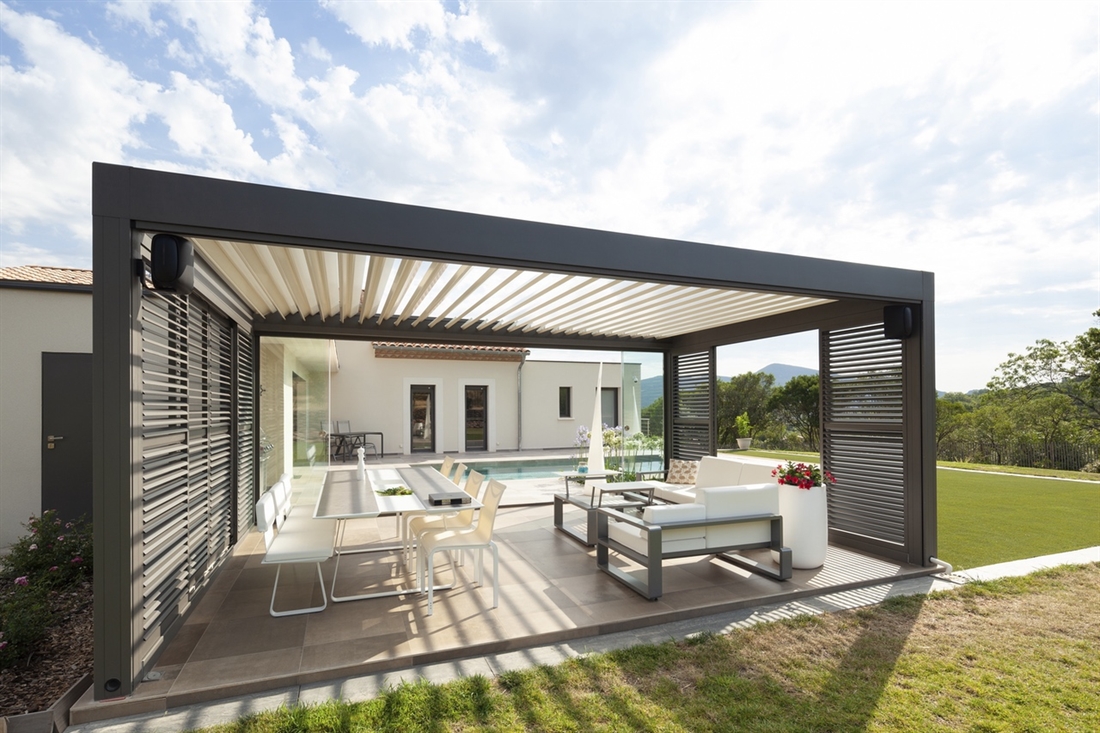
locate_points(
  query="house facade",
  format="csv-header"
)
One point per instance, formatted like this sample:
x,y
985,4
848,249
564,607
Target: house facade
x,y
45,370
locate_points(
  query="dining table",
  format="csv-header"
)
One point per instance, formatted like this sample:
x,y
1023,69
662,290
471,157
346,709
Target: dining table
x,y
349,493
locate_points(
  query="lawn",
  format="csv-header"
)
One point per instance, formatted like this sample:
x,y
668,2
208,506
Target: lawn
x,y
990,518
969,659
989,514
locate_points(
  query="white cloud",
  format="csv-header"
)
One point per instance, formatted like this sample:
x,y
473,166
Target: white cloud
x,y
201,125
933,137
316,50
394,23
240,38
68,105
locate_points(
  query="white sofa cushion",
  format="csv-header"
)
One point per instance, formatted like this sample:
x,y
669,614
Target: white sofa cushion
x,y
673,540
757,473
739,501
718,471
674,494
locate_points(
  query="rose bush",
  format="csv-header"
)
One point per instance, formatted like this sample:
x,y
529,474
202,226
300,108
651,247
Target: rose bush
x,y
53,555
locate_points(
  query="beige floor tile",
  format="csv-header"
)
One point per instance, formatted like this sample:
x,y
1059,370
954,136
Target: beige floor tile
x,y
550,591
239,637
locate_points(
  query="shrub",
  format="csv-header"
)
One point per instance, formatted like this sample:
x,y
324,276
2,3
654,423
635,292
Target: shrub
x,y
51,556
24,618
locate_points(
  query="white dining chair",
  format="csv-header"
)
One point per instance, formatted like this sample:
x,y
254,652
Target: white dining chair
x,y
448,466
478,537
420,523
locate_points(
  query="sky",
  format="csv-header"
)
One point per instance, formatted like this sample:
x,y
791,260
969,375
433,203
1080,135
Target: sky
x,y
957,138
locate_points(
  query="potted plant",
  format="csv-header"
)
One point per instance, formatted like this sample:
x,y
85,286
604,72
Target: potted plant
x,y
803,505
744,430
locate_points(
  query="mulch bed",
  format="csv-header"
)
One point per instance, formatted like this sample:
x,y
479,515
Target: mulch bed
x,y
62,658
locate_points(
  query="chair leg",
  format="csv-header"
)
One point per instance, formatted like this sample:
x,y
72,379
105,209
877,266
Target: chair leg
x,y
298,611
431,579
496,574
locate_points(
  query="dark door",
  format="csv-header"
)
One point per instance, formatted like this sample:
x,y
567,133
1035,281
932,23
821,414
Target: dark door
x,y
67,434
476,400
422,426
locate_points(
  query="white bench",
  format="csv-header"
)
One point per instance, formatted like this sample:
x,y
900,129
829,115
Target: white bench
x,y
293,538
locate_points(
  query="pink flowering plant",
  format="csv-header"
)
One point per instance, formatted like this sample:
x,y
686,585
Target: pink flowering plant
x,y
52,556
802,475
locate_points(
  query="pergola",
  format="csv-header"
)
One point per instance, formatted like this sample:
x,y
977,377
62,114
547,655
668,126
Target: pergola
x,y
175,473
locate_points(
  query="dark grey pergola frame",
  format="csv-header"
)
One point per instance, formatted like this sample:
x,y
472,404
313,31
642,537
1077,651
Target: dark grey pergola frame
x,y
129,202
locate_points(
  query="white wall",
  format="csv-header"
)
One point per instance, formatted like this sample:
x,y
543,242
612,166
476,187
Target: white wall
x,y
542,428
31,321
374,395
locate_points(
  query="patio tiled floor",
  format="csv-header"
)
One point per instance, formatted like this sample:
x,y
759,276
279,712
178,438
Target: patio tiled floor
x,y
550,591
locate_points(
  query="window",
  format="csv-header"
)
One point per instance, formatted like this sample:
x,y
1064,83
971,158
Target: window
x,y
565,402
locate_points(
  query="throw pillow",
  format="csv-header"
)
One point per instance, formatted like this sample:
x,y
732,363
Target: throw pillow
x,y
682,472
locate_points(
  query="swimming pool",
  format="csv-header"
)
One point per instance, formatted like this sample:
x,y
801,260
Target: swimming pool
x,y
524,468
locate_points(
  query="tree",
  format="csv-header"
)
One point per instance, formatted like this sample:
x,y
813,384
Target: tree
x,y
1070,368
950,419
796,404
746,392
655,412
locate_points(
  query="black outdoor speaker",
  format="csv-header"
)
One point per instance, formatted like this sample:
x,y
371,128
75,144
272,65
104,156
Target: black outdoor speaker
x,y
897,321
173,263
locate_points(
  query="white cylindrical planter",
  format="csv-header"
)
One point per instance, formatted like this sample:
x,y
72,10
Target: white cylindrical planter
x,y
744,443
805,524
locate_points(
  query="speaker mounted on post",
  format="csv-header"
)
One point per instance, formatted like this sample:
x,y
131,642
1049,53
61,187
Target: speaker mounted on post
x,y
898,321
172,264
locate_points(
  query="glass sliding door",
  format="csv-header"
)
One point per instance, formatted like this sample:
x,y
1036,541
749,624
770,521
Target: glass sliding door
x,y
477,397
422,438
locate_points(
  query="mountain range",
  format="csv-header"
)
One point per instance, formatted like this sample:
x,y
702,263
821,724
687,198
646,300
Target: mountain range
x,y
652,387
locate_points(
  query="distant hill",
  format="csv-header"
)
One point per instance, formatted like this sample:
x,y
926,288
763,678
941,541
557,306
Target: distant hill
x,y
652,387
784,372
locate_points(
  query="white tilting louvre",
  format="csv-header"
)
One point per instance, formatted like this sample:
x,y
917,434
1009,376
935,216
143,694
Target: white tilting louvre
x,y
245,490
188,456
862,436
691,405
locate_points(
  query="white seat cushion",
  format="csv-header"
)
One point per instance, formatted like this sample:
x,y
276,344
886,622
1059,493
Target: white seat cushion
x,y
674,494
303,540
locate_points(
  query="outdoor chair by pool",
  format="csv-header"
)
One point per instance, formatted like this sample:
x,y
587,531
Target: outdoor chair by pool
x,y
478,536
448,467
460,472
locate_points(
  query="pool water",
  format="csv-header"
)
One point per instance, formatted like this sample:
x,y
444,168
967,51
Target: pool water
x,y
545,467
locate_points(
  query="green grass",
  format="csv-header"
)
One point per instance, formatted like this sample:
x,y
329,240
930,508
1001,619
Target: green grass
x,y
973,659
989,518
992,514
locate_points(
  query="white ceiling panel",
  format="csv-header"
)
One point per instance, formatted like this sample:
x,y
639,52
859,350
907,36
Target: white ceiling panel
x,y
475,298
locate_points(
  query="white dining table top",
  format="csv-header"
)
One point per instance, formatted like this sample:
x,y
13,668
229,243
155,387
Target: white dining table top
x,y
346,496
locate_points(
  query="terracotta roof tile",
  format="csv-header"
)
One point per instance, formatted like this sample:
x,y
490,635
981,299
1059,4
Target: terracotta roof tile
x,y
459,352
446,347
42,274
